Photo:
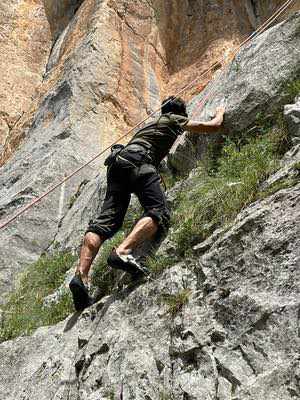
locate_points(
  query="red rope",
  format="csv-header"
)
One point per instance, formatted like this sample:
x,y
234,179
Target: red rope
x,y
263,27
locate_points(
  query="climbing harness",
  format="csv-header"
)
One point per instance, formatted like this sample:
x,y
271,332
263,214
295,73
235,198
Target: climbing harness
x,y
115,150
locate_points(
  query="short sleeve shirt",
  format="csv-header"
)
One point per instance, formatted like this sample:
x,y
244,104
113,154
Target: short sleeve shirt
x,y
161,135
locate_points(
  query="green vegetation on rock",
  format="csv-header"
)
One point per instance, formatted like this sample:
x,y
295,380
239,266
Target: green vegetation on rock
x,y
175,302
102,277
218,194
293,89
276,186
221,186
25,310
157,264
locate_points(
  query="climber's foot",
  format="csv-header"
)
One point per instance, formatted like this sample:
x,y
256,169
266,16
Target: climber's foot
x,y
127,263
80,293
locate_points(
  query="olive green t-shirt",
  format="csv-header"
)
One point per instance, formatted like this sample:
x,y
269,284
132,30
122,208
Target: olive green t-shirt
x,y
160,135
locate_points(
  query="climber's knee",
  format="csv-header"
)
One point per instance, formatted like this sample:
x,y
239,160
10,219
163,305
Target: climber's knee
x,y
92,241
161,216
103,230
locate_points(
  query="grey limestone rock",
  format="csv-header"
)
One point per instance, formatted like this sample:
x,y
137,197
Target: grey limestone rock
x,y
237,337
223,324
61,138
255,81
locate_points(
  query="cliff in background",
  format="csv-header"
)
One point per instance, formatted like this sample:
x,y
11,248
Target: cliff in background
x,y
222,322
152,47
25,43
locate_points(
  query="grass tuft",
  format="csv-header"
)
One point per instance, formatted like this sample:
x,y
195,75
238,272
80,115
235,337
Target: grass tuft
x,y
293,89
159,264
276,186
176,302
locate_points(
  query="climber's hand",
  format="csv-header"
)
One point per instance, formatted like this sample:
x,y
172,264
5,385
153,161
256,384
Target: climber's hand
x,y
220,111
207,127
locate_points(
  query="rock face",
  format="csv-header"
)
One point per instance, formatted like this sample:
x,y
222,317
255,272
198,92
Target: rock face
x,y
146,38
292,117
110,64
236,338
60,13
235,334
25,44
250,83
78,106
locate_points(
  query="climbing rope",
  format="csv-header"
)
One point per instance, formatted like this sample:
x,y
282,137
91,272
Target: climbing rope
x,y
262,28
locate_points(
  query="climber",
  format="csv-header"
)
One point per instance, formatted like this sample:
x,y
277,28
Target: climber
x,y
133,169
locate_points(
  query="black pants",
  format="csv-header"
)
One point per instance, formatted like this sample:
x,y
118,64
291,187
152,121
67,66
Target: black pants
x,y
122,181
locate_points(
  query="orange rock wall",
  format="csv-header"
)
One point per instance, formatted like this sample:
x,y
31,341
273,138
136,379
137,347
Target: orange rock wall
x,y
149,49
25,44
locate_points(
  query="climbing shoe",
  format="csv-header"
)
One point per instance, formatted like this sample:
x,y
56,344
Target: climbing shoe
x,y
80,293
128,264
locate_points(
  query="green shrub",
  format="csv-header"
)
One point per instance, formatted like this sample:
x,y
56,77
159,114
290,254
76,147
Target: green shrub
x,y
24,310
214,200
276,186
296,166
169,179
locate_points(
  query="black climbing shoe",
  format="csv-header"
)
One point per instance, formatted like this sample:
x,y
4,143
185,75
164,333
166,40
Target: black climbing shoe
x,y
81,298
128,264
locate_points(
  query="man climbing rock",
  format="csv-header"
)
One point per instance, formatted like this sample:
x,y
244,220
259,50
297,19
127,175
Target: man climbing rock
x,y
133,169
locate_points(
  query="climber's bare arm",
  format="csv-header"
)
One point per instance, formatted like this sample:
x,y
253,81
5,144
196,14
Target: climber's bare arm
x,y
206,127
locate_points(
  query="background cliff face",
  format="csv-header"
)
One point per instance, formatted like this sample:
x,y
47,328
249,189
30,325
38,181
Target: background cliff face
x,y
153,48
232,331
25,43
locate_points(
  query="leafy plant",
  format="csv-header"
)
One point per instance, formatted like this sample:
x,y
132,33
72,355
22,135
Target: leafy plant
x,y
110,394
293,89
275,187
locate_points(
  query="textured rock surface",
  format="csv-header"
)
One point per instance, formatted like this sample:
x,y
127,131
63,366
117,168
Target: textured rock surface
x,y
251,83
292,117
79,106
148,34
75,108
237,338
60,13
25,43
109,65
